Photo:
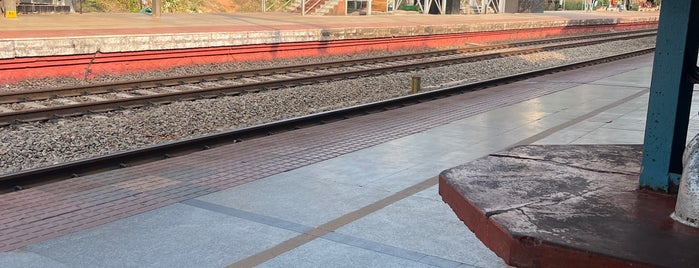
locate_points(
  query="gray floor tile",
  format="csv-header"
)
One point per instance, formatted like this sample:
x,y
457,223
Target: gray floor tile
x,y
432,147
562,137
497,121
640,78
324,253
533,128
297,198
430,193
605,117
463,265
173,236
611,136
424,225
629,106
586,126
466,130
246,215
625,123
404,179
504,141
365,166
637,114
376,246
457,158
24,259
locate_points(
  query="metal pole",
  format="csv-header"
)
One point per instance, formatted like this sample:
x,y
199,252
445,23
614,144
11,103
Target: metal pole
x,y
10,7
369,8
157,8
303,7
415,85
670,96
346,6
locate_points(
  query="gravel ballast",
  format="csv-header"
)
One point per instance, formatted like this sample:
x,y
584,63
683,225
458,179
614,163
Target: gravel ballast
x,y
38,144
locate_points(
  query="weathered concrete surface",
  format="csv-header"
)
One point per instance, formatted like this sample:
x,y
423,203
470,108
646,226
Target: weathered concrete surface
x,y
687,207
562,205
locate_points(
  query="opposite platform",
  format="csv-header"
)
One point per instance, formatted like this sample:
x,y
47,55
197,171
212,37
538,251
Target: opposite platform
x,y
86,45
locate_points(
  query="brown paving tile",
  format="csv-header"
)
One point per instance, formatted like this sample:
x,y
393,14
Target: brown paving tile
x,y
147,183
11,243
29,215
104,194
73,186
26,197
18,198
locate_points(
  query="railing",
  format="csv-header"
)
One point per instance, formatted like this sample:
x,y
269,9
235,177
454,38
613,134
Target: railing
x,y
275,5
312,4
473,6
307,6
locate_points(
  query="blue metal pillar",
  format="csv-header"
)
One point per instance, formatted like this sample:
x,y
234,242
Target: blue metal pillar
x,y
670,95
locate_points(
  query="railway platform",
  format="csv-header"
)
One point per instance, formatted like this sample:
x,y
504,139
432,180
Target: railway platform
x,y
361,192
88,45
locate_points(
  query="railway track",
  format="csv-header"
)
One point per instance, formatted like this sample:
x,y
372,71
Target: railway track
x,y
18,107
22,179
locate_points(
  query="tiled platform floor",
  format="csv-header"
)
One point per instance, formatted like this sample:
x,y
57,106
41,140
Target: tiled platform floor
x,y
374,207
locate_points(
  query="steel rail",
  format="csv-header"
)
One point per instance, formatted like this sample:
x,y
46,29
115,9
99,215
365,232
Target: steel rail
x,y
44,94
139,101
155,152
